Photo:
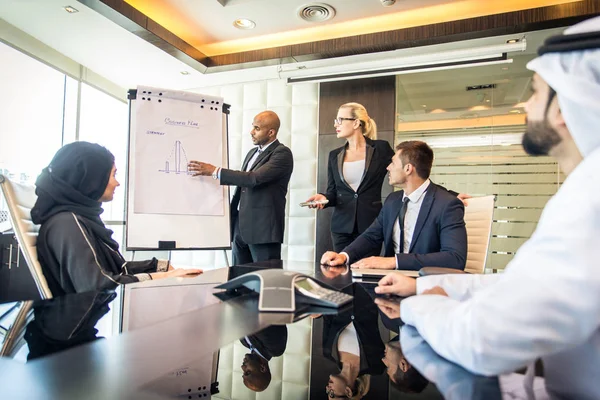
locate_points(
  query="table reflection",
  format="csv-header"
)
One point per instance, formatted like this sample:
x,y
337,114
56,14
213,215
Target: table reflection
x,y
263,345
64,322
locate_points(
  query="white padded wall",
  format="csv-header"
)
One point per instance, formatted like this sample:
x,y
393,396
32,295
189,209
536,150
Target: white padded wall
x,y
297,107
290,373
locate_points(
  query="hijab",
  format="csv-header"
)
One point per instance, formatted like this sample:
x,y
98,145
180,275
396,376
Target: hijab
x,y
74,181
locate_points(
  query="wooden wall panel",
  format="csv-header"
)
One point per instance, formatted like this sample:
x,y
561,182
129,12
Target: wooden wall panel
x,y
378,97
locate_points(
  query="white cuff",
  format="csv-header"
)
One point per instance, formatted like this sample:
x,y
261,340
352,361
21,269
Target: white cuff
x,y
347,257
143,277
162,265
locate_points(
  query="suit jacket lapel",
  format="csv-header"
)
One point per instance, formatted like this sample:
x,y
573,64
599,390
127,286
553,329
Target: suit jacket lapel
x,y
248,158
262,155
423,213
340,164
368,158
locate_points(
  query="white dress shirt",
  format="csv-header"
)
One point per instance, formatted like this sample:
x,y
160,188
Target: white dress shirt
x,y
410,219
546,305
348,340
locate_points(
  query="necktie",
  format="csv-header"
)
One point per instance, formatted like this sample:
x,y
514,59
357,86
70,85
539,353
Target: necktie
x,y
401,222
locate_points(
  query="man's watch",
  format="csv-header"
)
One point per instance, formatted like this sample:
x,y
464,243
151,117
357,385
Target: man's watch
x,y
215,174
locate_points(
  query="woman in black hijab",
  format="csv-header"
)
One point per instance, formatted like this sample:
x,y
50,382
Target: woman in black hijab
x,y
76,251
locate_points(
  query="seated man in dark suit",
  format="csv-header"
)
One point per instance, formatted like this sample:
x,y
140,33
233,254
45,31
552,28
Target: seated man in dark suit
x,y
422,225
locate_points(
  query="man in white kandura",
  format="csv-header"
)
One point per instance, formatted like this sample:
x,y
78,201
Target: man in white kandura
x,y
547,303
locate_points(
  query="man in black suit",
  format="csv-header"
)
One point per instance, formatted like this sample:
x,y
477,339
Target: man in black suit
x,y
258,205
264,345
421,225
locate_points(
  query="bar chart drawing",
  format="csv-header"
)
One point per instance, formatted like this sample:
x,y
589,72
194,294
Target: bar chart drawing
x,y
177,162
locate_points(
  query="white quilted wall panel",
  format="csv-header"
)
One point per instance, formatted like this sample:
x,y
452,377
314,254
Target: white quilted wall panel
x,y
291,382
297,107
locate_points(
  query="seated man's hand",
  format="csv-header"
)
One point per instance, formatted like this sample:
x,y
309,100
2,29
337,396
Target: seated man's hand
x,y
333,259
332,272
391,308
436,290
376,263
398,284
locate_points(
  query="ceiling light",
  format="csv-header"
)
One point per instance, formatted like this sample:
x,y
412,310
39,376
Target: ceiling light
x,y
243,23
515,111
184,72
504,68
511,41
71,10
487,100
387,3
423,105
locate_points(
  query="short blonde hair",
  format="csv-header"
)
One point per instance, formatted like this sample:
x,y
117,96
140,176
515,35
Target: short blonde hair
x,y
359,112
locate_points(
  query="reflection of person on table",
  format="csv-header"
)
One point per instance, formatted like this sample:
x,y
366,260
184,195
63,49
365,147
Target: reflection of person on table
x,y
355,174
334,272
75,249
546,305
264,345
402,375
258,203
419,226
65,322
352,340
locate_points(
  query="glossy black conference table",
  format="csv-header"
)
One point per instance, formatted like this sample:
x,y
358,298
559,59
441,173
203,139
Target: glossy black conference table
x,y
169,341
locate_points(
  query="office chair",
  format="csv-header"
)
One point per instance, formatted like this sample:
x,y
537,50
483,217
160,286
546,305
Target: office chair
x,y
20,199
478,219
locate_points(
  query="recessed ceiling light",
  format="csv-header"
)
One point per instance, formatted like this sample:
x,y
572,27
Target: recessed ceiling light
x,y
511,41
515,111
243,23
184,72
71,10
487,100
423,105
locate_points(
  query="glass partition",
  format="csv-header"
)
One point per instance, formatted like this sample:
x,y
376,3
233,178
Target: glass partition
x,y
474,118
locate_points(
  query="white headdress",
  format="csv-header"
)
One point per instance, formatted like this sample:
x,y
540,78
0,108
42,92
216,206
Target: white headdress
x,y
575,76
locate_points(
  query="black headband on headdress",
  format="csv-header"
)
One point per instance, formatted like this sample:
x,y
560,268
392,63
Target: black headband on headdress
x,y
568,43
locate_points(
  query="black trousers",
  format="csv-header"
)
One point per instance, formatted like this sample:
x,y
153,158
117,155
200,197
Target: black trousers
x,y
244,253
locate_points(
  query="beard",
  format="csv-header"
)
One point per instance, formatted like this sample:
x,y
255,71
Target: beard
x,y
539,138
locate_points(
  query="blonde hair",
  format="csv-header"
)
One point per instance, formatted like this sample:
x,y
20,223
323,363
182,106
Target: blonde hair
x,y
362,384
367,124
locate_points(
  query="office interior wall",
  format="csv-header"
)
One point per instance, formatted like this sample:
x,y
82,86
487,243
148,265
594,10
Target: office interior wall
x,y
297,107
378,97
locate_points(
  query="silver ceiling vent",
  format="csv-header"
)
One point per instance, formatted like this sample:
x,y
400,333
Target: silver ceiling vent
x,y
316,12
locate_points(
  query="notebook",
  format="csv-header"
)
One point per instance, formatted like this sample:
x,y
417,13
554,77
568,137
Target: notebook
x,y
379,273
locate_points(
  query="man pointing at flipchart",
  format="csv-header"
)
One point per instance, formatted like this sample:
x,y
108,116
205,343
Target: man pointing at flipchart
x,y
258,204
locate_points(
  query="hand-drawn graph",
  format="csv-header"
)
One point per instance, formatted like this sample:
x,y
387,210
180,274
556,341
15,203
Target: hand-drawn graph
x,y
177,161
